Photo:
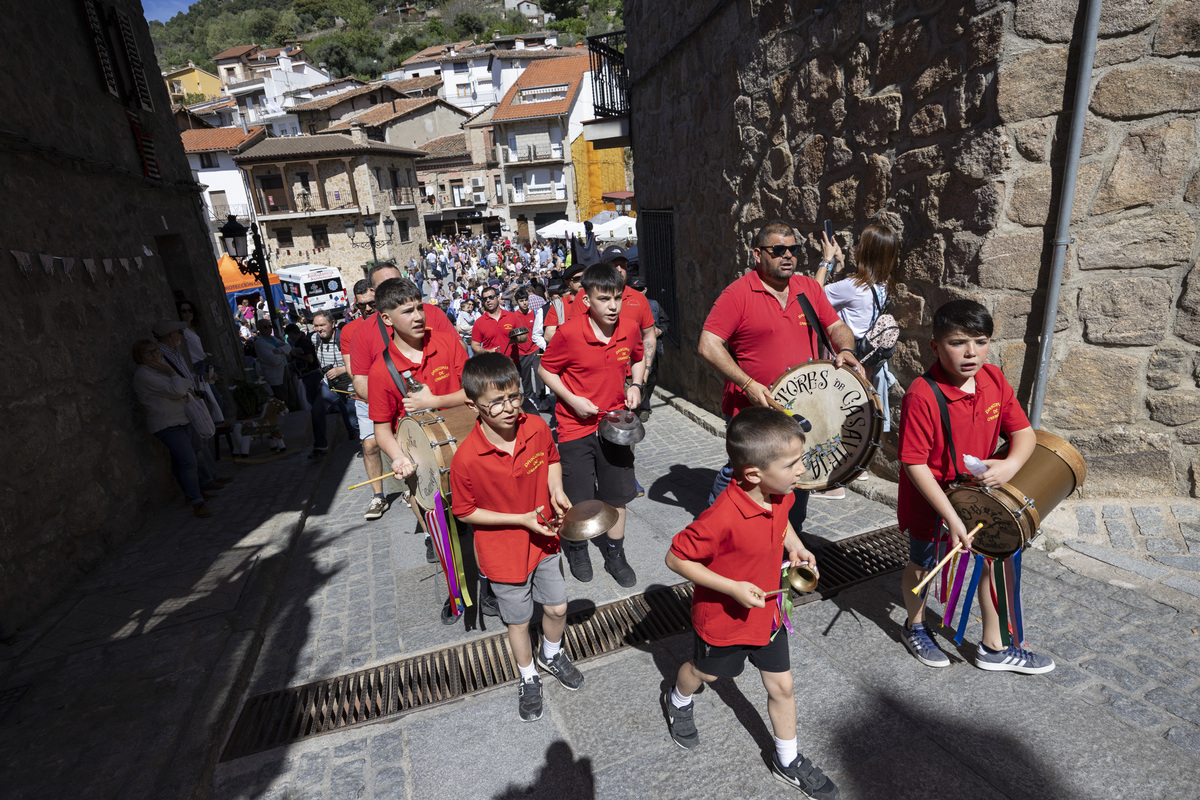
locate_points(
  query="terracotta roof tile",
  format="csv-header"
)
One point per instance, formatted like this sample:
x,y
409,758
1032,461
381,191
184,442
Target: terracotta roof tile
x,y
209,139
429,53
454,145
550,72
236,52
385,112
331,144
416,84
331,100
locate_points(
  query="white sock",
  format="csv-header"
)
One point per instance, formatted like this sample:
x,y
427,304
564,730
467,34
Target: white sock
x,y
550,649
785,750
678,700
528,673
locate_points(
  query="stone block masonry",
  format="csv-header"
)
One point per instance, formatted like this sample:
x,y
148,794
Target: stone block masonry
x,y
950,121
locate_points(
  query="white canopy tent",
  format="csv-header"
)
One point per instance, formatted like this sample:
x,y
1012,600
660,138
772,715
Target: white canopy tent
x,y
560,229
619,229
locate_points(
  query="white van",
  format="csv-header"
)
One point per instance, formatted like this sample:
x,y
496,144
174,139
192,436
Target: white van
x,y
311,287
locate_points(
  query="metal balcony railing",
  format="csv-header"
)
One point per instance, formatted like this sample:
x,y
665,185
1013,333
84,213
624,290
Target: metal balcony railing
x,y
401,196
610,95
535,152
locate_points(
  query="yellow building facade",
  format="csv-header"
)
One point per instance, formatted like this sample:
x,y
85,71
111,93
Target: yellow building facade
x,y
596,172
191,80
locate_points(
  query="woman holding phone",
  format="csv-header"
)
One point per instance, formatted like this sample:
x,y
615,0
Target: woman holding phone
x,y
859,298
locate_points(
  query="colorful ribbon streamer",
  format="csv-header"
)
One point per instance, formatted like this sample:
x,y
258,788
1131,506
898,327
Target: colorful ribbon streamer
x,y
965,616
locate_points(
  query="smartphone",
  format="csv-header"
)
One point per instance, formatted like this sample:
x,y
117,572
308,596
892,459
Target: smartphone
x,y
829,229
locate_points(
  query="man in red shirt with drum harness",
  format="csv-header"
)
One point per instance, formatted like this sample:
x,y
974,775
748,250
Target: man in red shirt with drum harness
x,y
757,330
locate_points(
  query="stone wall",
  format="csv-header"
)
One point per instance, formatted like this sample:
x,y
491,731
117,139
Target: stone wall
x,y
947,121
83,467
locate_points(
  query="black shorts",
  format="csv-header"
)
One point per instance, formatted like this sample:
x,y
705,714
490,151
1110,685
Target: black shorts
x,y
595,468
728,662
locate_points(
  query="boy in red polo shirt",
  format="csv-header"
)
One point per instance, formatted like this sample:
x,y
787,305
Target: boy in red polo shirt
x,y
733,553
556,316
506,479
434,359
980,404
585,367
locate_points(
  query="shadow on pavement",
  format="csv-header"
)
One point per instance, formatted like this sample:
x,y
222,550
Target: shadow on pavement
x,y
684,487
563,777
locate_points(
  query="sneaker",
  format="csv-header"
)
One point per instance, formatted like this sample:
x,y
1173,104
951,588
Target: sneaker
x,y
920,644
680,722
580,562
644,415
641,492
863,476
488,605
448,617
430,553
202,510
831,494
616,565
529,699
560,667
806,777
1013,659
376,509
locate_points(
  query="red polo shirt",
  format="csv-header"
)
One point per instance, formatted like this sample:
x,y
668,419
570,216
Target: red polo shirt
x,y
764,338
493,333
440,369
976,421
526,320
591,368
347,335
571,309
368,342
634,306
740,540
484,476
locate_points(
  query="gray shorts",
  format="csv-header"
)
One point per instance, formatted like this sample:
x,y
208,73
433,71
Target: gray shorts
x,y
366,428
546,585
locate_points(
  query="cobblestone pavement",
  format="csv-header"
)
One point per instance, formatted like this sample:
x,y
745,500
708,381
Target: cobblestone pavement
x,y
1128,676
128,688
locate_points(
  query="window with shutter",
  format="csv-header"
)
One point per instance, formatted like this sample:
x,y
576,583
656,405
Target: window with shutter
x,y
100,43
136,67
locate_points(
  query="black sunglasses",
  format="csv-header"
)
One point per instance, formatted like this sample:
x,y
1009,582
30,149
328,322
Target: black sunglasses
x,y
777,250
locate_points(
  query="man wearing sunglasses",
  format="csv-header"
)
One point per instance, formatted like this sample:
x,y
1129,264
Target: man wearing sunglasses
x,y
757,330
490,333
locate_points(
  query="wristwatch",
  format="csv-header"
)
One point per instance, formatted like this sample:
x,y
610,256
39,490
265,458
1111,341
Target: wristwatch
x,y
641,387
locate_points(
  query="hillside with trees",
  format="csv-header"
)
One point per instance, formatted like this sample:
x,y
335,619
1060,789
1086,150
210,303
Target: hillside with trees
x,y
363,38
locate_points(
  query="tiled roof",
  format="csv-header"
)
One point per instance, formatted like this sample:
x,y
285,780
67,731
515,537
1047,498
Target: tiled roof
x,y
347,79
416,84
550,72
208,139
331,100
452,146
429,53
228,103
236,52
481,117
385,112
332,144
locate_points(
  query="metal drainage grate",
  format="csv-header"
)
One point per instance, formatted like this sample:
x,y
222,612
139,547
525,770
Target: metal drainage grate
x,y
278,718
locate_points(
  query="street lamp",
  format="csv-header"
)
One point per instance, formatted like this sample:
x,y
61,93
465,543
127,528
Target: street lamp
x,y
233,235
371,226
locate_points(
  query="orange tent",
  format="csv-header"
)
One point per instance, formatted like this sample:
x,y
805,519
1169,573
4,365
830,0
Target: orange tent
x,y
235,281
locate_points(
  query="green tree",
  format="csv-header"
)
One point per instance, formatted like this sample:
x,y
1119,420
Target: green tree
x,y
262,27
314,9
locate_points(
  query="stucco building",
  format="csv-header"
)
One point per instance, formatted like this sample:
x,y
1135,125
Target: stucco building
x,y
305,189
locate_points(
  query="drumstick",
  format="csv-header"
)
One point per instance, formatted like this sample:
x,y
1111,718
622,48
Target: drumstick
x,y
340,391
938,567
364,483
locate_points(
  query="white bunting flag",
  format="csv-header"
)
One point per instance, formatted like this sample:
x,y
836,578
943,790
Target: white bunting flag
x,y
47,262
124,263
90,265
23,260
138,262
68,265
108,265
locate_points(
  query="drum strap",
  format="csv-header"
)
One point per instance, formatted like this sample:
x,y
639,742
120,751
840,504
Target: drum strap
x,y
814,322
945,412
387,357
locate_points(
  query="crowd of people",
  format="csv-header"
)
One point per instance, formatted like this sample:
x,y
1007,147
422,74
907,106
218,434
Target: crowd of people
x,y
540,343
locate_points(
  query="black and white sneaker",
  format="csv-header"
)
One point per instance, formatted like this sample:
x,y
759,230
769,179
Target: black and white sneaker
x,y
561,667
806,777
680,722
529,699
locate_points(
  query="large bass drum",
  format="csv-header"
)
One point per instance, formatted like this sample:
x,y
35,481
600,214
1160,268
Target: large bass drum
x,y
1012,512
846,418
430,439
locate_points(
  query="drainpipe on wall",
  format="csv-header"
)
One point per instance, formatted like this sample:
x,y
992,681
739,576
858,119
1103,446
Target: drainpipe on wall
x,y
1066,203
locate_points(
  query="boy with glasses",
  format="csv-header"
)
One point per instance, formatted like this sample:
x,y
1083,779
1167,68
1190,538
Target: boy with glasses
x,y
507,483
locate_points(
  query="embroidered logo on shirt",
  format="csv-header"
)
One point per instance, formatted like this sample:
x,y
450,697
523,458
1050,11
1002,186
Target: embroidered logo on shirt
x,y
622,354
993,412
534,462
440,374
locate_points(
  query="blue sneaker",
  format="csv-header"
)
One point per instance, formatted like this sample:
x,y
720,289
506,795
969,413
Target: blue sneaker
x,y
920,644
1012,659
